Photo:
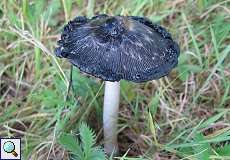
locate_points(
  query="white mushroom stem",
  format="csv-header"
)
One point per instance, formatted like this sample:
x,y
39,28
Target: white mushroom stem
x,y
110,114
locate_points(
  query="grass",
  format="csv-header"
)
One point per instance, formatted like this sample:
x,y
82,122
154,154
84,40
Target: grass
x,y
185,115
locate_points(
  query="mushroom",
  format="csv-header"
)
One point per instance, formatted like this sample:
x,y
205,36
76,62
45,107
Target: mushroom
x,y
114,48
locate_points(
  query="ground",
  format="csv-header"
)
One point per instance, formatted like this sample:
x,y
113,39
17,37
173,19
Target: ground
x,y
185,115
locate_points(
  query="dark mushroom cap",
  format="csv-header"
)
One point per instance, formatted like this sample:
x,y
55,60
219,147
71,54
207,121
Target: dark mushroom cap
x,y
118,47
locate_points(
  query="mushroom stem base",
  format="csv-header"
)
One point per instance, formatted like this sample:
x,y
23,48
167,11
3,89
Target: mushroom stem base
x,y
110,114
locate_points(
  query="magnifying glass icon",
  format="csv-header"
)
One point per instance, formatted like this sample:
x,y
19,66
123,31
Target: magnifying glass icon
x,y
9,147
